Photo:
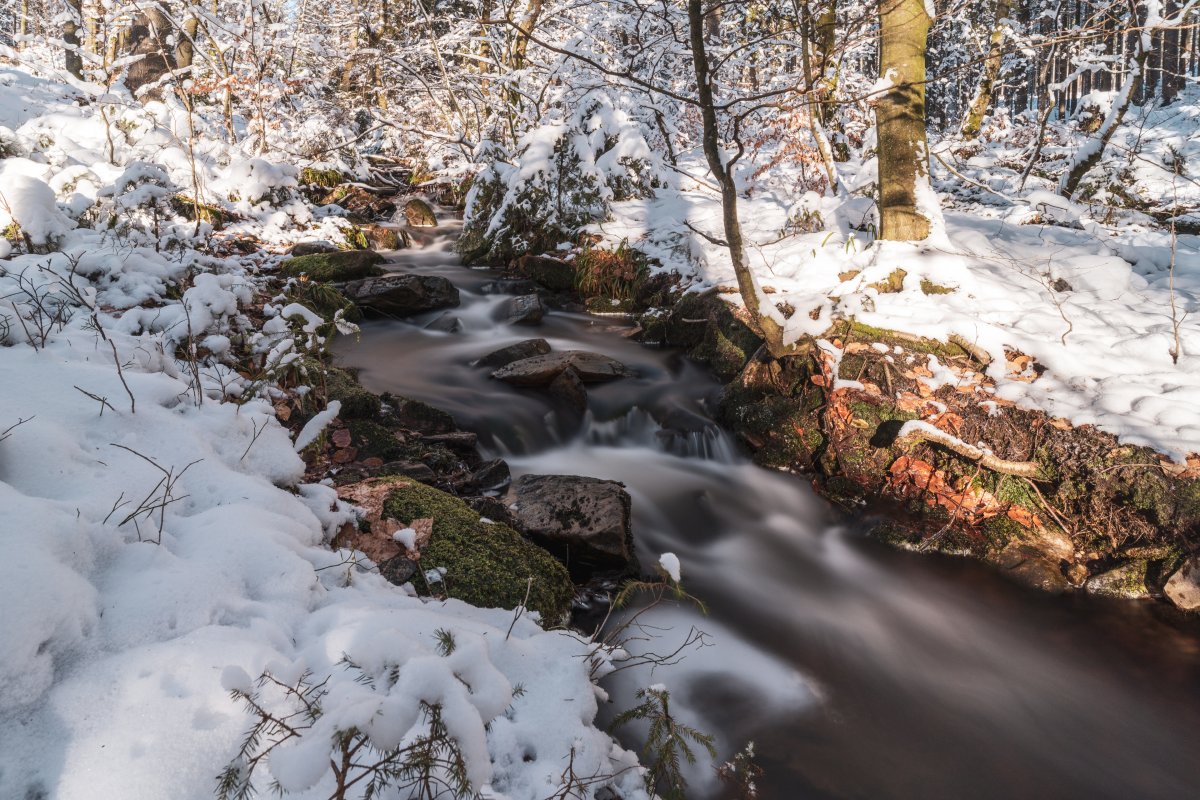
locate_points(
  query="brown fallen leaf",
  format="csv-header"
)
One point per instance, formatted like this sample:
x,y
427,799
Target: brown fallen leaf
x,y
283,411
341,437
345,455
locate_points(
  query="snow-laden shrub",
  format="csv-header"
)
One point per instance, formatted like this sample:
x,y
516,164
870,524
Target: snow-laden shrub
x,y
561,176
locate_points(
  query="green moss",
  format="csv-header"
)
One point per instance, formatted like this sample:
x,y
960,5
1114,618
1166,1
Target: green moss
x,y
486,565
327,178
357,402
929,287
344,266
999,531
189,209
374,441
860,332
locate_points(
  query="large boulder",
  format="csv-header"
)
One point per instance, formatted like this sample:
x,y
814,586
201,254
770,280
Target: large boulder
x,y
1183,588
553,273
402,295
514,352
584,521
419,214
343,265
542,370
486,564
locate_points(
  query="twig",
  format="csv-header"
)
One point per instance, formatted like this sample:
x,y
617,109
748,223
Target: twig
x,y
915,431
103,401
121,375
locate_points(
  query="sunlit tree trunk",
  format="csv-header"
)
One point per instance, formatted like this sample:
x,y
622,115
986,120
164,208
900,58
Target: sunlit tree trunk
x,y
900,120
973,121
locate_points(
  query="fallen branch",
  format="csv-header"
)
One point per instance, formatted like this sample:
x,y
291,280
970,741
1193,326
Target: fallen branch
x,y
915,431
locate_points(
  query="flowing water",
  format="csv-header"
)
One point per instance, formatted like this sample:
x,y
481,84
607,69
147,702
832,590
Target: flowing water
x,y
859,671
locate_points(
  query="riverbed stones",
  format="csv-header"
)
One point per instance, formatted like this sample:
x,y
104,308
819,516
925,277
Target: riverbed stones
x,y
1127,582
524,310
553,273
584,521
446,323
334,267
1027,565
492,476
402,295
380,237
527,348
419,214
542,370
1183,587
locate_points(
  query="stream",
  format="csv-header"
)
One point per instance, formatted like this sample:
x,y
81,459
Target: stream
x,y
858,670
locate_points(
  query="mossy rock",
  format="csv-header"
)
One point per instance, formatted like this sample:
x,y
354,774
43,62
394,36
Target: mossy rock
x,y
419,214
357,402
417,416
325,178
486,565
374,441
348,265
369,236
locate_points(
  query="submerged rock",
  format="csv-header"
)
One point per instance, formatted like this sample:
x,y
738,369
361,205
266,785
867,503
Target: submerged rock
x,y
402,295
1028,566
514,352
542,370
446,323
569,394
1183,587
334,267
585,521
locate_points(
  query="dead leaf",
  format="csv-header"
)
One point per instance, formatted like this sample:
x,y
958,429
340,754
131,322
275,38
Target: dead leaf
x,y
283,411
341,437
345,455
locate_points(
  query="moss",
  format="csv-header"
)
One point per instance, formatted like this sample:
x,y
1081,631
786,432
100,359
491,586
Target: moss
x,y
374,441
868,333
325,299
357,402
486,565
345,266
892,284
999,531
929,287
189,209
326,178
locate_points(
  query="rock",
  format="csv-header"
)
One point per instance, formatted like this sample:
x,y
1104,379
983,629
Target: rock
x,y
399,570
370,236
446,323
487,565
493,508
509,286
312,248
569,394
419,214
402,295
333,267
1127,581
1028,566
463,441
1183,587
542,370
524,310
585,521
514,352
421,417
553,273
493,476
360,201
357,402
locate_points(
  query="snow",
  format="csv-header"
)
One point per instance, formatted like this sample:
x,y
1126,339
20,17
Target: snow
x,y
670,563
163,551
317,425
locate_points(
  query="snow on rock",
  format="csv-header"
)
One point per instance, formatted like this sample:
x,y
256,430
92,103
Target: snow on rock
x,y
670,563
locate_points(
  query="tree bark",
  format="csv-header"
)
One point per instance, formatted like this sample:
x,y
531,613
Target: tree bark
x,y
973,121
722,172
900,120
72,57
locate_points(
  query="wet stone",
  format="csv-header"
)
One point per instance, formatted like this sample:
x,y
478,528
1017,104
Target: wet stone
x,y
514,352
542,370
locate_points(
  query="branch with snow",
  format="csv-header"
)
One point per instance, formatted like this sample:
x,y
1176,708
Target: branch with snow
x,y
916,431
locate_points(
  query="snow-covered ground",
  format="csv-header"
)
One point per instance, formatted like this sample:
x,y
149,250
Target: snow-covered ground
x,y
161,550
1092,304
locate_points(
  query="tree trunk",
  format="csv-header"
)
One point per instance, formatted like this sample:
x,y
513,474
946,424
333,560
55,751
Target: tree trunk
x,y
72,58
1089,155
900,120
722,172
973,122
